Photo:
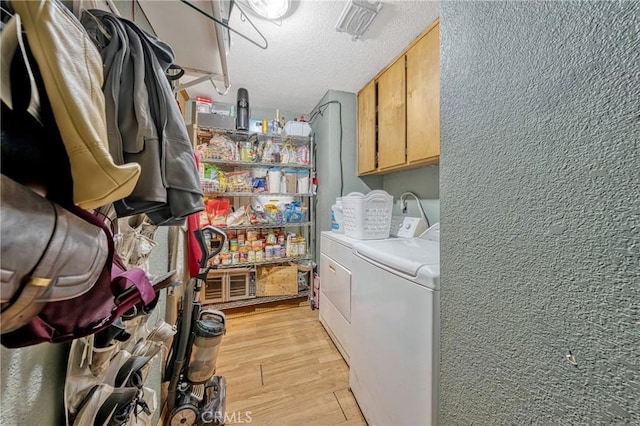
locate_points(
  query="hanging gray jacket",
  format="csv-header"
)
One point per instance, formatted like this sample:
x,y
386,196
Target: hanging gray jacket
x,y
144,122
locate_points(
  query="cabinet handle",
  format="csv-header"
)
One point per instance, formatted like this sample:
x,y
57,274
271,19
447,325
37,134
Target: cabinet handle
x,y
332,269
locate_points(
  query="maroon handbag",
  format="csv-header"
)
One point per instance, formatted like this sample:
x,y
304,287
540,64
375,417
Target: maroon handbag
x,y
115,292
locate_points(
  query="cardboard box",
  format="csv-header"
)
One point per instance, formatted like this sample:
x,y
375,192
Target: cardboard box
x,y
277,281
216,120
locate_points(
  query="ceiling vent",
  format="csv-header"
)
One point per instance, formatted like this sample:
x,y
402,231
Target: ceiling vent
x,y
357,16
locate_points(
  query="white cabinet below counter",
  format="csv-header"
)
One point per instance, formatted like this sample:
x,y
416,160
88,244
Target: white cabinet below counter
x,y
335,289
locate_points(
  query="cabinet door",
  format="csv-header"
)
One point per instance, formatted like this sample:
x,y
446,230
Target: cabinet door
x,y
423,98
367,129
392,116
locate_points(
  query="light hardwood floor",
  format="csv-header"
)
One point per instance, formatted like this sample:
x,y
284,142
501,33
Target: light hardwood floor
x,y
281,366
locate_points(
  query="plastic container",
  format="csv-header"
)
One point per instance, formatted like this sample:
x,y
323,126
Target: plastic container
x,y
208,332
274,177
246,151
337,218
303,182
302,246
297,128
291,177
367,217
242,120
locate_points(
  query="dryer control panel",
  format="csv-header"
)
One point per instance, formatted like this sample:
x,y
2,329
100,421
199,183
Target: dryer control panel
x,y
407,227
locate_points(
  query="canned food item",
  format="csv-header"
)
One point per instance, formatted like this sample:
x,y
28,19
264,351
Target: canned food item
x,y
289,245
271,238
225,258
259,256
252,235
257,245
235,258
241,239
243,257
251,256
233,245
268,252
280,237
283,250
302,246
246,152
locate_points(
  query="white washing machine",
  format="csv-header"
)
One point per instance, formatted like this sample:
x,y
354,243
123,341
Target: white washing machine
x,y
395,329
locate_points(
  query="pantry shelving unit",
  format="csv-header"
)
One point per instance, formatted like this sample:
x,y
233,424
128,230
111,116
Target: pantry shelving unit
x,y
236,283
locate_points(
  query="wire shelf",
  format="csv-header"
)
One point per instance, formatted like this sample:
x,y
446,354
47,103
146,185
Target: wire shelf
x,y
257,301
253,194
254,164
265,226
261,136
271,261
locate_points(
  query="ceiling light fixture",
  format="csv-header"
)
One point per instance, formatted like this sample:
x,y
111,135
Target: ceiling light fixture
x,y
357,16
270,9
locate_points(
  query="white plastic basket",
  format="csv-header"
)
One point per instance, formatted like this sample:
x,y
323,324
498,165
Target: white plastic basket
x,y
367,217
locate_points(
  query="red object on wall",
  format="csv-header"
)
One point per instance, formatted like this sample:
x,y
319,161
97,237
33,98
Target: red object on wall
x,y
195,254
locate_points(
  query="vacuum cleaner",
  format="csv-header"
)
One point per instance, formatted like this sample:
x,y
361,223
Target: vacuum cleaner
x,y
196,396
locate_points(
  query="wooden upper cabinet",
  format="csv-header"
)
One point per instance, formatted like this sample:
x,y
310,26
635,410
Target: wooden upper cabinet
x,y
367,129
423,99
407,96
392,116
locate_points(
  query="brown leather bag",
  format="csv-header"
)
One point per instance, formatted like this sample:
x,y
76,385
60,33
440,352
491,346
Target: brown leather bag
x,y
48,254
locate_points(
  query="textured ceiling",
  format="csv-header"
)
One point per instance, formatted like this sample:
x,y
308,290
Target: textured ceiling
x,y
307,56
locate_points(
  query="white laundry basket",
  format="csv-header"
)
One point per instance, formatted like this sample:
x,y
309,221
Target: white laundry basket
x,y
367,217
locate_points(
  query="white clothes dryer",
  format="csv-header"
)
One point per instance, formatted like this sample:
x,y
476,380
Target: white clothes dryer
x,y
395,319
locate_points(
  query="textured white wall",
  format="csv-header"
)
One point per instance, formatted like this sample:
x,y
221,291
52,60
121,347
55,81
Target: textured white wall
x,y
424,182
540,212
